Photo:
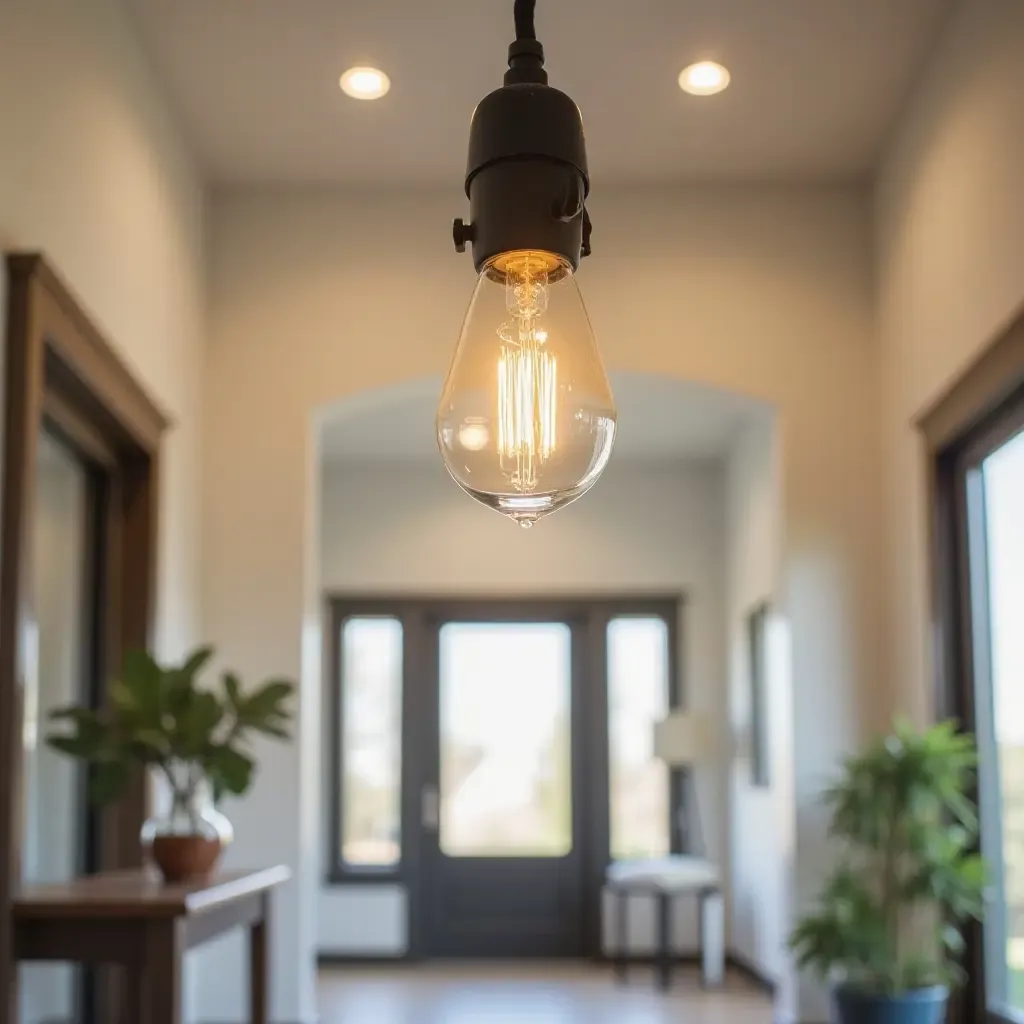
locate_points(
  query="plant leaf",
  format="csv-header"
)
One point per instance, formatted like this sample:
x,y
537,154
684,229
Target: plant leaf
x,y
108,781
233,689
141,673
195,661
230,769
86,748
902,810
267,698
154,741
277,731
197,724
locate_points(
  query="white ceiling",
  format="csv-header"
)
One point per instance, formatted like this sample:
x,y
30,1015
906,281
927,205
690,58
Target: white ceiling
x,y
816,84
659,419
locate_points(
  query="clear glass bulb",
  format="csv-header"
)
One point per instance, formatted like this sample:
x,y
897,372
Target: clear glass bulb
x,y
526,421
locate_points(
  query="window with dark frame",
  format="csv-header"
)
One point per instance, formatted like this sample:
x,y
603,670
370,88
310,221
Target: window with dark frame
x,y
641,692
367,745
974,440
760,770
984,477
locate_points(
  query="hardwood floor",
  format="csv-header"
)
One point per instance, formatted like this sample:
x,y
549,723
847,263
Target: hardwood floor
x,y
527,994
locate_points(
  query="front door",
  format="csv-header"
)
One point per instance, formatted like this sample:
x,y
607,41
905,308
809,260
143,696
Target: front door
x,y
503,808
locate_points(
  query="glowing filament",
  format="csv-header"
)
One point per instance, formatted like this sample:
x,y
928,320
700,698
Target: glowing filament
x,y
527,393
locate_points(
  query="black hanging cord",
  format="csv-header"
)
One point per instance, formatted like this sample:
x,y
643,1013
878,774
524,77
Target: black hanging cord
x,y
524,10
525,55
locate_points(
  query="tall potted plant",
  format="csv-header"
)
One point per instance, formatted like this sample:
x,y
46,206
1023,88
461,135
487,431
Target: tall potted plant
x,y
887,927
197,740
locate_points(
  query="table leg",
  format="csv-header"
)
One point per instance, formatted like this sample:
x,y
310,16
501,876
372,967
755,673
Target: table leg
x,y
664,941
10,1001
164,949
259,934
133,996
621,898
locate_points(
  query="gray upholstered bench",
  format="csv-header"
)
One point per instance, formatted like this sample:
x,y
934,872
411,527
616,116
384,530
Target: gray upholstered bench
x,y
666,880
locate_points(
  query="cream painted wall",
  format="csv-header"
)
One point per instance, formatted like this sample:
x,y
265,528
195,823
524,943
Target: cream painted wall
x,y
94,174
762,828
950,226
645,528
317,298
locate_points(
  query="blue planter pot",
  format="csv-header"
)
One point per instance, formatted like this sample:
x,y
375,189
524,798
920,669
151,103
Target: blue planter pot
x,y
923,1006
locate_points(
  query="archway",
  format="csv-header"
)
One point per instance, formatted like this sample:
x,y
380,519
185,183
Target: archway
x,y
692,501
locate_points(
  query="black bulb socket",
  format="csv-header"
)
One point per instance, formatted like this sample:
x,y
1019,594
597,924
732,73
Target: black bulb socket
x,y
526,177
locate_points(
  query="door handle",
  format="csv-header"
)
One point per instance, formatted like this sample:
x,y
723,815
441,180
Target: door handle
x,y
430,809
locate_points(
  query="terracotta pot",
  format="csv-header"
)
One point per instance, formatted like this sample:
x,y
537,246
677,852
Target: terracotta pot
x,y
185,858
186,837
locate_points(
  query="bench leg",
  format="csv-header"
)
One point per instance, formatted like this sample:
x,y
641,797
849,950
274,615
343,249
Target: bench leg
x,y
664,941
712,939
621,935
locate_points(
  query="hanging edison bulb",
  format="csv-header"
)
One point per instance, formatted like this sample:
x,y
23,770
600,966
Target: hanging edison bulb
x,y
526,420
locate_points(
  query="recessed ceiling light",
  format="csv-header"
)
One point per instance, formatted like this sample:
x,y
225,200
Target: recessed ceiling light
x,y
365,83
704,78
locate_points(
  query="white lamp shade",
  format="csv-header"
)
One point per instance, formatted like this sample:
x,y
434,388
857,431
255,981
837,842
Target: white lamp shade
x,y
684,738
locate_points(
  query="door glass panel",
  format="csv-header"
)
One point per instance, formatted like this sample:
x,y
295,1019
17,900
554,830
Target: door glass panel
x,y
638,696
506,739
1002,767
55,809
371,742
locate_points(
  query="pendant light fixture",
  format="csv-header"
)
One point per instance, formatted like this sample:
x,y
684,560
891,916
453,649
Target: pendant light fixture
x,y
526,420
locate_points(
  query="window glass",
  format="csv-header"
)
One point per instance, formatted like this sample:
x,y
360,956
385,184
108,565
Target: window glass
x,y
506,739
638,697
371,741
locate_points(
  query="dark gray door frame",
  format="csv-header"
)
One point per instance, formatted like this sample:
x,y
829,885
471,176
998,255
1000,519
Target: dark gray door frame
x,y
588,616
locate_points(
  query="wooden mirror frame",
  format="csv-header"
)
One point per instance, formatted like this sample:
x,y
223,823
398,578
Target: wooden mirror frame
x,y
60,369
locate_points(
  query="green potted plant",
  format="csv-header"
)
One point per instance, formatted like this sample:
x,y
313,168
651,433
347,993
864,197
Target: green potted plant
x,y
909,829
196,739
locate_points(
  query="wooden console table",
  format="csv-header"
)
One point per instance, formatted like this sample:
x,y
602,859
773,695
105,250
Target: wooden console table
x,y
131,919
